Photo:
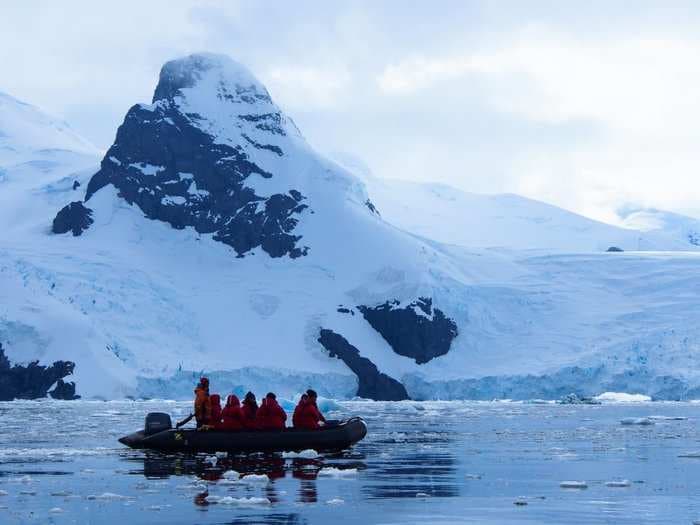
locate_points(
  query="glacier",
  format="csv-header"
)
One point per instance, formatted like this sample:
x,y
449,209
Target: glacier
x,y
219,242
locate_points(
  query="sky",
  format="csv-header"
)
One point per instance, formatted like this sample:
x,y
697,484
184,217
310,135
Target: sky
x,y
592,106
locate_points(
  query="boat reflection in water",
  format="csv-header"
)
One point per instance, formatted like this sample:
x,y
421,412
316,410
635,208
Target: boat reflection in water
x,y
274,466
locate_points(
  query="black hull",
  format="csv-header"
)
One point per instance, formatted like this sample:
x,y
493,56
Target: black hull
x,y
335,438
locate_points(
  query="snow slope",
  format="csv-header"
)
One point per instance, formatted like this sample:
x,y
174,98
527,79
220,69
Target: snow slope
x,y
170,280
662,222
449,215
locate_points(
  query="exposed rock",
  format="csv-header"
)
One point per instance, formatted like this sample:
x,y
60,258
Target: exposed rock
x,y
416,330
575,399
75,217
372,207
33,380
613,249
166,161
76,185
64,390
373,384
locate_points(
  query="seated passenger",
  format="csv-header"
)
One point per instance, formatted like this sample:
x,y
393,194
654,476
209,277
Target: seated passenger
x,y
231,414
297,410
309,415
271,416
215,418
250,411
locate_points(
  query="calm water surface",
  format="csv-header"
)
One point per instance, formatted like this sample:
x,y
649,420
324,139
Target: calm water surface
x,y
420,463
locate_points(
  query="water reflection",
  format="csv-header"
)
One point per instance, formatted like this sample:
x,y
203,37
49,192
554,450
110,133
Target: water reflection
x,y
274,466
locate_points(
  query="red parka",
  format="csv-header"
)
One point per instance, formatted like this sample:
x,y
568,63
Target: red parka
x,y
307,414
249,410
271,415
231,414
215,401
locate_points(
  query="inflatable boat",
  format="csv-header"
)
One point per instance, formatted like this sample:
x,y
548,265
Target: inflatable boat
x,y
158,434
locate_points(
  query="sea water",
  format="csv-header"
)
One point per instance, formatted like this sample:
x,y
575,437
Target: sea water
x,y
432,462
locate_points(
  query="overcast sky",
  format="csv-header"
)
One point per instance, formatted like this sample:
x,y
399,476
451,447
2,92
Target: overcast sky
x,y
588,105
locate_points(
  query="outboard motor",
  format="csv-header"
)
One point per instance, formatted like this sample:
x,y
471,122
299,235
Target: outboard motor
x,y
157,422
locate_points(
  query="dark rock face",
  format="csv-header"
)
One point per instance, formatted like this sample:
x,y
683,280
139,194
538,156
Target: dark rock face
x,y
372,383
33,380
162,162
418,330
74,218
372,207
64,390
614,249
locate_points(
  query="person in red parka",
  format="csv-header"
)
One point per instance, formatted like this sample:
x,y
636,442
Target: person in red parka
x,y
308,415
297,410
271,415
215,417
232,415
250,412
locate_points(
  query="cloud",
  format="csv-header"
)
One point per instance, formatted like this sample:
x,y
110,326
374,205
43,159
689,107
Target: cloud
x,y
588,106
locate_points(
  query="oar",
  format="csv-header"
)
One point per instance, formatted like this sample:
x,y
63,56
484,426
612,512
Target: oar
x,y
184,421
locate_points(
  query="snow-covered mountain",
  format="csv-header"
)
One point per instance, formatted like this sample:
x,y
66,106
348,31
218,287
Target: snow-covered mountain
x,y
452,216
213,239
659,222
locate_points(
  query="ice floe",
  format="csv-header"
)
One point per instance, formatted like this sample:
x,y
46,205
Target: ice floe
x,y
335,501
255,478
618,483
230,500
643,421
333,472
573,485
308,454
108,496
695,454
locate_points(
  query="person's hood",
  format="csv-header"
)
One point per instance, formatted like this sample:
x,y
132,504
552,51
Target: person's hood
x,y
233,401
215,399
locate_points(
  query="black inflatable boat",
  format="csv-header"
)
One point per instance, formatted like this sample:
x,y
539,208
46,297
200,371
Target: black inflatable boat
x,y
158,434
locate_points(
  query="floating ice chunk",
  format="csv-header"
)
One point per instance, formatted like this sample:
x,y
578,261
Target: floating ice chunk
x,y
573,485
56,510
28,492
3,493
668,418
221,455
61,493
644,421
230,500
618,483
335,501
23,479
308,454
155,507
333,472
255,478
520,502
108,496
622,397
695,454
212,460
327,405
472,476
231,474
422,495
